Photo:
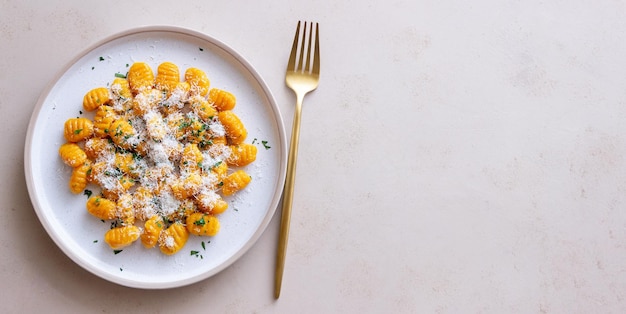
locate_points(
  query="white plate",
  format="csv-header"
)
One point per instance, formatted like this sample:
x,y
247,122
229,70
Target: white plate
x,y
79,234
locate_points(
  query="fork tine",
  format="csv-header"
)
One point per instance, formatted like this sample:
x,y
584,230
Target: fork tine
x,y
308,52
301,63
291,66
316,56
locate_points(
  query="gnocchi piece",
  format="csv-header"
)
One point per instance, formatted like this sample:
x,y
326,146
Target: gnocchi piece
x,y
72,155
121,132
118,186
219,140
78,180
95,98
173,238
156,127
198,81
176,99
235,131
78,129
211,202
104,117
126,209
97,147
147,100
182,90
124,162
140,77
121,237
144,204
195,131
151,231
191,157
167,77
242,155
220,170
202,108
221,99
235,182
188,186
186,208
202,224
101,207
120,88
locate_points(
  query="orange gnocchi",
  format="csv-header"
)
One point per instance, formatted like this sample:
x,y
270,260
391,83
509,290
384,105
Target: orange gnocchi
x,y
121,237
221,99
164,152
140,77
95,98
198,81
72,155
78,129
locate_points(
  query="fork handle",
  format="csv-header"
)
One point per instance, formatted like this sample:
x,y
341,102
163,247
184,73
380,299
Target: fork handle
x,y
287,198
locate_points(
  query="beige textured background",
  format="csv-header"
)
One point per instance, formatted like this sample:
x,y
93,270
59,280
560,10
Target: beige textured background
x,y
458,157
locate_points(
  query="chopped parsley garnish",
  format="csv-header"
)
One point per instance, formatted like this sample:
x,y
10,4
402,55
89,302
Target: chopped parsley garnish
x,y
201,49
101,59
265,145
196,254
200,222
117,252
254,141
203,247
120,75
88,192
78,131
95,241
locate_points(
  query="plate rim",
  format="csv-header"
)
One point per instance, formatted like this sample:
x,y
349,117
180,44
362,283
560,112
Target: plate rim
x,y
28,169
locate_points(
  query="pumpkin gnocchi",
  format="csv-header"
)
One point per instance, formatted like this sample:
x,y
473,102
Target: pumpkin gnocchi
x,y
165,152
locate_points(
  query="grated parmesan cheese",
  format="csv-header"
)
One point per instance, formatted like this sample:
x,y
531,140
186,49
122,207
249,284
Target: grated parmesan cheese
x,y
169,242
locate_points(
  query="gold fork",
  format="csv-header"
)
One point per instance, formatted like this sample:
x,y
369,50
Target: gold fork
x,y
301,78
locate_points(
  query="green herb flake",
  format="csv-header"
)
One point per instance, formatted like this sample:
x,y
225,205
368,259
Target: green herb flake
x,y
101,59
265,145
203,246
121,269
88,192
126,64
194,253
201,49
117,252
78,131
200,222
80,111
95,241
93,68
120,75
254,141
